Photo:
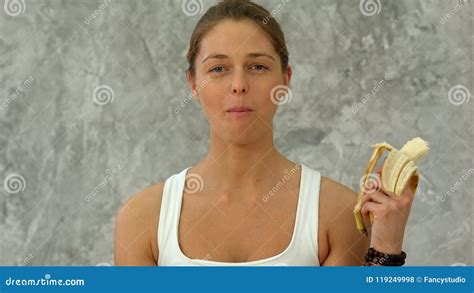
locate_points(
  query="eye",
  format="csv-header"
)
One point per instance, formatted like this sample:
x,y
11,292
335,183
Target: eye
x,y
259,67
217,69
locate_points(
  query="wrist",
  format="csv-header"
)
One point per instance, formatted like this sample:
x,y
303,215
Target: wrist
x,y
374,257
386,248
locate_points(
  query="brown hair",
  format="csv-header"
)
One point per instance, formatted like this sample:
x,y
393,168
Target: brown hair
x,y
238,10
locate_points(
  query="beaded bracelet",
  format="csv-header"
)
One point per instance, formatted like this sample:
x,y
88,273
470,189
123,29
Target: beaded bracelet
x,y
374,257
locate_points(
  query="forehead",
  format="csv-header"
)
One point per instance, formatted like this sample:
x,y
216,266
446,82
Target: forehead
x,y
235,38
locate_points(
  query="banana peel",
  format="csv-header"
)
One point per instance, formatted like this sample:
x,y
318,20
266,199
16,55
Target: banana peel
x,y
398,168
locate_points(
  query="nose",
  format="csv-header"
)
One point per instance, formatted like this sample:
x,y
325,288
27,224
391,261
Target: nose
x,y
239,84
239,89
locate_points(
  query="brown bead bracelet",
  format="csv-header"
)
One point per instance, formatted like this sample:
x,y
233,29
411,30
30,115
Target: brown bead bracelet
x,y
374,257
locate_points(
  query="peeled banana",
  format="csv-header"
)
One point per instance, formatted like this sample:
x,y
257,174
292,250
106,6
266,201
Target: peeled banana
x,y
398,168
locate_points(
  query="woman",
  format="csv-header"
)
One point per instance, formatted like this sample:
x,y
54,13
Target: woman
x,y
252,206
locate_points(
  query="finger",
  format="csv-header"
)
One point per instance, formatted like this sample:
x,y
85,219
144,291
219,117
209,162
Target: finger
x,y
369,207
375,196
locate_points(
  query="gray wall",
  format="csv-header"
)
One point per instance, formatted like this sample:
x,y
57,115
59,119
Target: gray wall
x,y
358,79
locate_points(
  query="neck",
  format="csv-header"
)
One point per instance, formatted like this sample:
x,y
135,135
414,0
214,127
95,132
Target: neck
x,y
231,167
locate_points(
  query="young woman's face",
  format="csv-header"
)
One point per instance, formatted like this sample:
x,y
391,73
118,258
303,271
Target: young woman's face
x,y
237,66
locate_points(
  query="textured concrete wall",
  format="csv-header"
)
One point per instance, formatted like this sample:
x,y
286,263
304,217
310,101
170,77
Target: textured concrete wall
x,y
88,92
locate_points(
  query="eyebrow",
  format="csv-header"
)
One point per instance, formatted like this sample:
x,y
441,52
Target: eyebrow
x,y
250,55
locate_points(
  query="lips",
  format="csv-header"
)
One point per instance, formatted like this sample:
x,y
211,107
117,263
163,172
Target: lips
x,y
239,109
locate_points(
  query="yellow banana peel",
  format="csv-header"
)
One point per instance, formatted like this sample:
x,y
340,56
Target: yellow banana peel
x,y
398,168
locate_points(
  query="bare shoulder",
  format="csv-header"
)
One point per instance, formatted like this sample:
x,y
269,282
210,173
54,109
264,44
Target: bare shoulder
x,y
136,228
345,244
335,197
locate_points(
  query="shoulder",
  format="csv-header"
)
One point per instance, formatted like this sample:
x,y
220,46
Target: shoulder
x,y
145,201
337,203
136,227
335,196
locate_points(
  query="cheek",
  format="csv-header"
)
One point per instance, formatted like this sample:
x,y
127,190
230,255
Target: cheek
x,y
263,101
212,100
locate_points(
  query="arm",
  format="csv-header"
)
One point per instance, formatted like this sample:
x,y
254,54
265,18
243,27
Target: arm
x,y
347,246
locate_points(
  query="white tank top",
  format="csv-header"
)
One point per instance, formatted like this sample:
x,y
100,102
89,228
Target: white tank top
x,y
303,247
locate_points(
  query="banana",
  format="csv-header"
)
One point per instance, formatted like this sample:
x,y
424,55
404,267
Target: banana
x,y
398,168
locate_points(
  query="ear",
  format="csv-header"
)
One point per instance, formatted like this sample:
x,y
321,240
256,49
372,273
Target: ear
x,y
287,75
192,85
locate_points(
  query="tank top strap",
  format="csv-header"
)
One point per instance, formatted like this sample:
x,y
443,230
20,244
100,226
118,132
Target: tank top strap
x,y
170,212
308,215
